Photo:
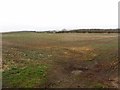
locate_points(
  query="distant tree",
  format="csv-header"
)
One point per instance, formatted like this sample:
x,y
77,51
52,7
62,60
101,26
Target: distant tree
x,y
64,30
53,31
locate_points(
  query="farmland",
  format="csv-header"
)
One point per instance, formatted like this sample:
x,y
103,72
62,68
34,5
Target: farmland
x,y
60,60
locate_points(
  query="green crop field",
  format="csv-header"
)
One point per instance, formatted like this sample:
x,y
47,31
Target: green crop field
x,y
64,60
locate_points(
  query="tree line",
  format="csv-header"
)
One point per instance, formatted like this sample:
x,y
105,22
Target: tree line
x,y
90,31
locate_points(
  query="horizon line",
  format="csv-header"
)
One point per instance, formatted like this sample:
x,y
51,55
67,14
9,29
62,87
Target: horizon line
x,y
59,30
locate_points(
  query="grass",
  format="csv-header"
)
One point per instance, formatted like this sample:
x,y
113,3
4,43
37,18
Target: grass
x,y
46,60
25,77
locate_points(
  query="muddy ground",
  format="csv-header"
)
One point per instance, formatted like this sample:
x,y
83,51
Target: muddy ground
x,y
60,60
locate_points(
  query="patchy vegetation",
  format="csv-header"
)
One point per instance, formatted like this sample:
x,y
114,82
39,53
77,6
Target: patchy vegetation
x,y
66,60
25,77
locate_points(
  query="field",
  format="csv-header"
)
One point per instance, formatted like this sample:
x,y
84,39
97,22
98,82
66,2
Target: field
x,y
64,60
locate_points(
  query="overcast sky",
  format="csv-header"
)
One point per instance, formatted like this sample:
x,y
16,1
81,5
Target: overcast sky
x,y
42,15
